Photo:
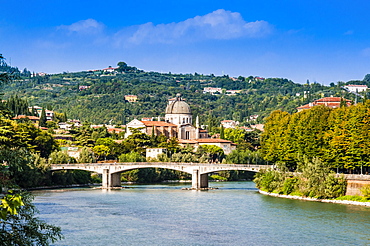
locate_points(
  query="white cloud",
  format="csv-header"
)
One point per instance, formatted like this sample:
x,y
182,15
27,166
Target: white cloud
x,y
349,32
220,24
89,26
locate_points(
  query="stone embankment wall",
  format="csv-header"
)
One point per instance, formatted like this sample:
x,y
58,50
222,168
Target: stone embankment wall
x,y
355,183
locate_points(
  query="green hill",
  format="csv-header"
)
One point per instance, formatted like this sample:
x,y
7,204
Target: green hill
x,y
98,96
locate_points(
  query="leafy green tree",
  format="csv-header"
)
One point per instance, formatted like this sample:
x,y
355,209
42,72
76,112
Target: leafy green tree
x,y
100,151
184,157
20,226
86,156
132,157
245,157
139,140
172,145
212,152
274,138
317,180
60,157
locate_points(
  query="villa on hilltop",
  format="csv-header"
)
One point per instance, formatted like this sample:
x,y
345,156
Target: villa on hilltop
x,y
331,102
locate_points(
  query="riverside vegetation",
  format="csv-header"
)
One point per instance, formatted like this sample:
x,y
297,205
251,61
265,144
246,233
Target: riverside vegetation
x,y
313,144
18,147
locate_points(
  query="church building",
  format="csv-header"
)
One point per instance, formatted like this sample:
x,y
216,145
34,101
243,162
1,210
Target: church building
x,y
178,123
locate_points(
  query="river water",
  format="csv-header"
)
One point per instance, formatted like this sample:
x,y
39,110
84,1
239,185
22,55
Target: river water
x,y
234,214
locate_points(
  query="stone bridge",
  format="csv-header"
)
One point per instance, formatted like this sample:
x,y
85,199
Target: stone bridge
x,y
111,172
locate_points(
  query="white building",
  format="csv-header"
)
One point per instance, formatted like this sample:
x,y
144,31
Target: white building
x,y
212,90
229,123
356,88
154,152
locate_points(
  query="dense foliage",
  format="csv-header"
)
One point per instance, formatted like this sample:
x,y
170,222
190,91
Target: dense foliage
x,y
22,148
98,97
339,137
313,179
20,226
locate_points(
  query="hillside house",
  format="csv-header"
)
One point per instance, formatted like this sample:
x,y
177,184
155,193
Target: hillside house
x,y
131,98
212,90
356,88
229,123
35,120
331,102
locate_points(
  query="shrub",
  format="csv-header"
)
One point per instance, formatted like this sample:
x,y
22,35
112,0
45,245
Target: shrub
x,y
269,180
290,185
217,177
131,157
353,198
366,191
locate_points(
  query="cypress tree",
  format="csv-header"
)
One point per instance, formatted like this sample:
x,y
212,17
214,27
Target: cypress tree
x,y
222,132
43,118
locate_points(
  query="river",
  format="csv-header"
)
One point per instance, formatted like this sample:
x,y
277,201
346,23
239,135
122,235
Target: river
x,y
163,214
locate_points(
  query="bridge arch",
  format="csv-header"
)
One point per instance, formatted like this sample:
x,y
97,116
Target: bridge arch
x,y
111,172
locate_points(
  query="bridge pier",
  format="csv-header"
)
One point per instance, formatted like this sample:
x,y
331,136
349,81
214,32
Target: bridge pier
x,y
198,180
110,180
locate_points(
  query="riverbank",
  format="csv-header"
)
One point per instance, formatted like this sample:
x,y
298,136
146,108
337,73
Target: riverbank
x,y
366,204
61,186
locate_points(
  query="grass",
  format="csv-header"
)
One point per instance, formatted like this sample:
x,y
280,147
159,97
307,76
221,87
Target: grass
x,y
353,198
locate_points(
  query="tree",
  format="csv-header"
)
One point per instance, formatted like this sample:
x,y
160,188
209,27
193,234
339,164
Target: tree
x,y
101,150
60,157
212,152
86,156
222,132
122,66
131,157
5,77
19,226
43,118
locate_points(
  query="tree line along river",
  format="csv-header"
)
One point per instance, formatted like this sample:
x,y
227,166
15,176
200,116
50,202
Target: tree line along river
x,y
164,214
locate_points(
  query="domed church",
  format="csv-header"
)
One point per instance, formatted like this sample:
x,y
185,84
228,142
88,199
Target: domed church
x,y
178,122
178,112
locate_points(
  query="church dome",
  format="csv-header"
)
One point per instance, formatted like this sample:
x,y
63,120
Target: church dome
x,y
178,106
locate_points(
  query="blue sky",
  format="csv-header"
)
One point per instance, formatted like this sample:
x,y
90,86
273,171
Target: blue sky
x,y
323,41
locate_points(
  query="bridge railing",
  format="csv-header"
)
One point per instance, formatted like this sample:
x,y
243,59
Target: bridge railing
x,y
163,164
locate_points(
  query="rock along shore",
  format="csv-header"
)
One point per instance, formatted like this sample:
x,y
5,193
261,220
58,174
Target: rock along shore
x,y
366,204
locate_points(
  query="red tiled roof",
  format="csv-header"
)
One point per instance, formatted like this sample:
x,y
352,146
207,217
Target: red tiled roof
x,y
331,102
307,106
331,99
156,123
205,140
212,140
26,116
